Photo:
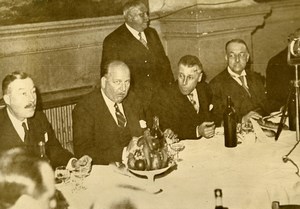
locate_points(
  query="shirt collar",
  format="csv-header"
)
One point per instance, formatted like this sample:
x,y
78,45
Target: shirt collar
x,y
14,120
135,33
233,74
107,100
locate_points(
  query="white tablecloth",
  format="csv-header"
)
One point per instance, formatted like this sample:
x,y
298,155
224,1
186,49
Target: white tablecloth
x,y
251,175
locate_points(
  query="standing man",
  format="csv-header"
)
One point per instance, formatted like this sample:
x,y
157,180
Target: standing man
x,y
140,48
185,106
105,120
245,87
22,126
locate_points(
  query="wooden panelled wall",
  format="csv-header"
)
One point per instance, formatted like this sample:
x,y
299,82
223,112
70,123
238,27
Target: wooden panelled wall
x,y
64,57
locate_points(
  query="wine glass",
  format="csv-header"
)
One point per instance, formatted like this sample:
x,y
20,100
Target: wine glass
x,y
80,174
62,174
177,147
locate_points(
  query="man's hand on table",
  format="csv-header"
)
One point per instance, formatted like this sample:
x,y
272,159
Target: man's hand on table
x,y
206,129
85,162
252,114
170,136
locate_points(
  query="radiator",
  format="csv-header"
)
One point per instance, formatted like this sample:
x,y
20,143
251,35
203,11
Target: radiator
x,y
61,120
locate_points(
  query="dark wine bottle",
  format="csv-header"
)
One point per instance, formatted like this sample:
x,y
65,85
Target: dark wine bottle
x,y
155,130
43,154
218,198
230,123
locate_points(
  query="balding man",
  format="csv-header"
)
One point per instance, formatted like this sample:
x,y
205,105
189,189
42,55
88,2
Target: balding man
x,y
106,119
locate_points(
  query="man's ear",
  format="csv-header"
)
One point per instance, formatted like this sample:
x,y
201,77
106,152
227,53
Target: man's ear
x,y
103,81
6,99
226,58
200,77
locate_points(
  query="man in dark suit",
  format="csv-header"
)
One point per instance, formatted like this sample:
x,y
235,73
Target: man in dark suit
x,y
22,126
279,74
185,106
140,48
246,88
105,120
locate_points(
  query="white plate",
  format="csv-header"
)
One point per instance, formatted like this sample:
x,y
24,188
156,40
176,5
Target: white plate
x,y
151,172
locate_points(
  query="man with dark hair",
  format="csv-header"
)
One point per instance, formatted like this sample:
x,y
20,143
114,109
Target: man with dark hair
x,y
105,120
185,106
26,182
245,87
140,48
22,126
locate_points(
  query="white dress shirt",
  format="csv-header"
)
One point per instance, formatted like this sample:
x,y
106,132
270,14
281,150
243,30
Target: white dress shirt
x,y
110,104
18,124
135,33
236,76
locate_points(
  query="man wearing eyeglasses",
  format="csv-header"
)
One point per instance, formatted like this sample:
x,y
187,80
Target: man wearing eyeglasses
x,y
245,87
185,106
140,48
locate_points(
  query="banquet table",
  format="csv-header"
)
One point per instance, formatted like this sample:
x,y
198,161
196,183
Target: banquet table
x,y
251,175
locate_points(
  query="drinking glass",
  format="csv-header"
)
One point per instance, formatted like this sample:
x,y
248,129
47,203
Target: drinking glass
x,y
79,175
177,147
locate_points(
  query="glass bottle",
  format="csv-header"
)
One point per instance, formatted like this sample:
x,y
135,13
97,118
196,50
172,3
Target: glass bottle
x,y
155,130
230,124
43,154
218,198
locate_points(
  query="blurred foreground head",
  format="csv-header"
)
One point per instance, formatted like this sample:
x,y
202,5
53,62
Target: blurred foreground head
x,y
25,181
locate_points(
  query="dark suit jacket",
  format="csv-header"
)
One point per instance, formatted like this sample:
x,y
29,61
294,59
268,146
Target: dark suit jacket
x,y
38,126
175,111
224,85
278,77
96,132
150,69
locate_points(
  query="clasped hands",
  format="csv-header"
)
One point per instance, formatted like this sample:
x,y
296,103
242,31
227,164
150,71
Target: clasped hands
x,y
84,162
206,129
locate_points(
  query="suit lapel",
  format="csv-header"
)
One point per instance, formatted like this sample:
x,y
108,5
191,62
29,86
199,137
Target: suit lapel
x,y
9,131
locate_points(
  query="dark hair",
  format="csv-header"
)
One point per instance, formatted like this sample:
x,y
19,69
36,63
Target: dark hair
x,y
190,61
19,171
236,40
10,78
107,65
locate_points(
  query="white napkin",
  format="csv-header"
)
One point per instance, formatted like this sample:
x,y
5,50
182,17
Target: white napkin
x,y
260,135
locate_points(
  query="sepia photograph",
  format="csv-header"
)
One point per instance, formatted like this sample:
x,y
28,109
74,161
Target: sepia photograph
x,y
146,104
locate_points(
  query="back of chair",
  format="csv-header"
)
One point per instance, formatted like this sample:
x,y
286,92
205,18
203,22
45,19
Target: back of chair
x,y
276,205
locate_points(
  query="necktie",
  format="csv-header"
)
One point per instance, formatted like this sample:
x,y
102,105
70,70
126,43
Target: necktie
x,y
242,78
143,40
120,117
191,98
26,136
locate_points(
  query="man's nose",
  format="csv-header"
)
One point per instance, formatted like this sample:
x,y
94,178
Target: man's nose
x,y
237,58
184,81
31,97
123,87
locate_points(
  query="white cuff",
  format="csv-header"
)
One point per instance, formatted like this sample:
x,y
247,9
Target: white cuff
x,y
70,165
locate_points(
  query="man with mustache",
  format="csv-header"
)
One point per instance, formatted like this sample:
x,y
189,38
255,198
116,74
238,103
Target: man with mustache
x,y
245,87
106,120
140,48
185,106
22,126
